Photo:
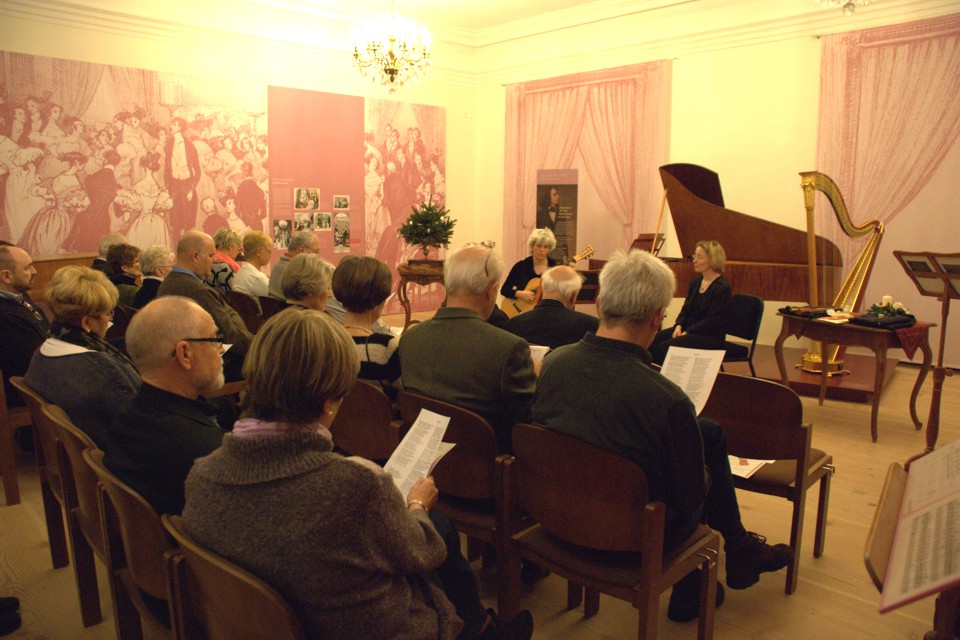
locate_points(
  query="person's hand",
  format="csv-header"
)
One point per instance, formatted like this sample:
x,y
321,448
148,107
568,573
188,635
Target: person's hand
x,y
425,491
677,331
526,295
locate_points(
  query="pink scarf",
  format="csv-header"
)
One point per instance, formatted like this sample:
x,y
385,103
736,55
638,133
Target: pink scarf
x,y
253,428
222,257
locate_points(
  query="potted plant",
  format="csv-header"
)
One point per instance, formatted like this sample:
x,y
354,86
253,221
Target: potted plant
x,y
429,225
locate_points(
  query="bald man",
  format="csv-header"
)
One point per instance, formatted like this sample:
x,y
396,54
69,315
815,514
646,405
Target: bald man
x,y
554,322
194,260
154,440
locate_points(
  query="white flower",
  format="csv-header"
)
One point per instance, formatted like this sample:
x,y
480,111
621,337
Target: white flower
x,y
899,307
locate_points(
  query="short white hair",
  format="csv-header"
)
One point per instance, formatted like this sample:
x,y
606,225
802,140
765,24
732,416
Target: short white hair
x,y
470,269
633,287
108,241
541,236
155,256
557,279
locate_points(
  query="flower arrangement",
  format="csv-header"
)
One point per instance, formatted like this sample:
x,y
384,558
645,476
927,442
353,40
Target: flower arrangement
x,y
429,225
887,307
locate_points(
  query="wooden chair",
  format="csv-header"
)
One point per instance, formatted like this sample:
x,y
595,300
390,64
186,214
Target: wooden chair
x,y
364,425
135,542
466,477
248,308
11,419
80,500
269,306
596,527
48,465
213,599
764,420
122,315
744,314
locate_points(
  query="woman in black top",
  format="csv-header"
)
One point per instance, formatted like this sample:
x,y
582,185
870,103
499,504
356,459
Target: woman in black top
x,y
702,320
541,242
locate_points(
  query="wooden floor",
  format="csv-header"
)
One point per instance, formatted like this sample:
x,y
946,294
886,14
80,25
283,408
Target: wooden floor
x,y
835,598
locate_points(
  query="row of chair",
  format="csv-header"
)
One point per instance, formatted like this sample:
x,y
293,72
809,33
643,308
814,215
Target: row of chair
x,y
526,504
253,311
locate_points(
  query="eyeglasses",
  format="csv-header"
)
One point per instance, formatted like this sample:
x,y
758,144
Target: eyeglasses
x,y
217,338
490,244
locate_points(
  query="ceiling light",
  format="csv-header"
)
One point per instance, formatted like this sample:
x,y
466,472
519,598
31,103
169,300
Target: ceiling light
x,y
391,51
848,7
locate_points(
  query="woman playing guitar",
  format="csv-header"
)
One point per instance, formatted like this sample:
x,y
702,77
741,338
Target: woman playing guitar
x,y
521,288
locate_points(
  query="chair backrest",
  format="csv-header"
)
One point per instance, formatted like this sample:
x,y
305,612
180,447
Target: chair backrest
x,y
468,471
269,306
79,481
122,315
363,423
579,492
144,539
760,419
248,309
216,600
744,314
46,448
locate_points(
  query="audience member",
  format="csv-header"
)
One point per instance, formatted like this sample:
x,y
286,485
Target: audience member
x,y
156,262
603,391
194,259
75,367
154,439
306,282
459,358
702,320
125,271
554,322
301,242
361,561
256,253
363,284
22,323
227,243
100,262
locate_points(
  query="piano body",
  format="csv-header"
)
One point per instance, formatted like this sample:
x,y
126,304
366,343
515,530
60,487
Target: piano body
x,y
764,258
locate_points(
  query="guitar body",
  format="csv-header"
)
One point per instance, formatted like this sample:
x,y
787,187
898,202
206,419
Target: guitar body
x,y
515,306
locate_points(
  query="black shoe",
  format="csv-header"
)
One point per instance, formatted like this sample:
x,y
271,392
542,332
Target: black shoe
x,y
9,605
685,598
747,560
531,572
9,622
520,627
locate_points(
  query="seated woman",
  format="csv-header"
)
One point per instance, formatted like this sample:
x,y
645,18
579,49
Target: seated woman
x,y
75,367
228,244
306,282
540,243
126,273
362,562
702,320
363,284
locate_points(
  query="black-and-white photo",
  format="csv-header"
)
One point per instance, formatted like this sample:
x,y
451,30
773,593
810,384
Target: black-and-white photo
x,y
303,221
341,233
322,221
341,202
281,234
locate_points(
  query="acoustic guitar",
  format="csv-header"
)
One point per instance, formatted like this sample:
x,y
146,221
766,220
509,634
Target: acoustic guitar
x,y
515,306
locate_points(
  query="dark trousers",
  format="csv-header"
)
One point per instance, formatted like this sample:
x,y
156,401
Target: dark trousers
x,y
721,509
455,577
664,340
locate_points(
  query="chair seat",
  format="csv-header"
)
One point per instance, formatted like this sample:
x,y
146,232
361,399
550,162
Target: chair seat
x,y
615,568
735,351
783,473
478,515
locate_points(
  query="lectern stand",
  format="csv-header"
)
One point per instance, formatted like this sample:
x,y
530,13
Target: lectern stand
x,y
938,275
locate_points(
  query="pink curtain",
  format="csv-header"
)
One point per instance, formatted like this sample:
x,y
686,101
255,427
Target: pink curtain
x,y
69,83
616,118
889,114
136,88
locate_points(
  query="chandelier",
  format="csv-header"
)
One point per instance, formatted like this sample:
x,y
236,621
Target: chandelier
x,y
849,7
391,51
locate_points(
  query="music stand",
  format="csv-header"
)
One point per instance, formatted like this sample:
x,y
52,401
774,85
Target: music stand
x,y
937,275
648,242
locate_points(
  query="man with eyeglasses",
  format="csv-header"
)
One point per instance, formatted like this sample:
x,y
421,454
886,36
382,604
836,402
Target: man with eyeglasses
x,y
153,441
458,357
301,242
193,264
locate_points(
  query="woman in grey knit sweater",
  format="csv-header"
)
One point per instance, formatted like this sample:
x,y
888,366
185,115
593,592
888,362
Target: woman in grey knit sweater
x,y
332,534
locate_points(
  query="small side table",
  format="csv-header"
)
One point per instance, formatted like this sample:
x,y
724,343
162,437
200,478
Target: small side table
x,y
422,273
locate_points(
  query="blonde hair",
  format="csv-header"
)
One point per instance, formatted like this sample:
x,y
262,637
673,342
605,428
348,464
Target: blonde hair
x,y
305,274
253,240
715,252
74,292
227,237
541,236
298,360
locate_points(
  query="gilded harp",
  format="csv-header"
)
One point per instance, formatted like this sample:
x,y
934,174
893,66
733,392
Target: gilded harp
x,y
823,293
